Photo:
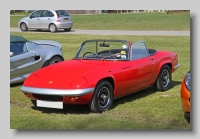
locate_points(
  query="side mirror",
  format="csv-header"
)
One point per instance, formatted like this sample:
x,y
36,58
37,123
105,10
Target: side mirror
x,y
11,54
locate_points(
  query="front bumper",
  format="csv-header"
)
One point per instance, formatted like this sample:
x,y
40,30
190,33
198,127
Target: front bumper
x,y
67,96
60,92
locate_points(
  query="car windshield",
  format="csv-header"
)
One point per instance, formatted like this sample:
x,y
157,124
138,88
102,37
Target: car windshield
x,y
104,50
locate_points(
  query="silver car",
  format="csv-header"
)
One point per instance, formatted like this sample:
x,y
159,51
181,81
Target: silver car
x,y
29,56
47,19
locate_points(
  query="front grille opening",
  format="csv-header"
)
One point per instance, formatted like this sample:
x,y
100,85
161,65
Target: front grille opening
x,y
48,97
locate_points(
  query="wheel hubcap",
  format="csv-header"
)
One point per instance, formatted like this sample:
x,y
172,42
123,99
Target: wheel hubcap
x,y
165,78
104,97
55,61
23,26
52,28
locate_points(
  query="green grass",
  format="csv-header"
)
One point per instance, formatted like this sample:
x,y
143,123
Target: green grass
x,y
146,109
130,21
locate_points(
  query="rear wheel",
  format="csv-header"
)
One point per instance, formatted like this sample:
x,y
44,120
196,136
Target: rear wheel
x,y
102,99
23,27
164,79
53,60
53,28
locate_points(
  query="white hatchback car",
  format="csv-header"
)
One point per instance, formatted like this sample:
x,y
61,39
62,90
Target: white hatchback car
x,y
47,19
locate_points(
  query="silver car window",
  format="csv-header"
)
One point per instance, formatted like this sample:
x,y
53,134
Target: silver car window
x,y
47,14
18,48
36,14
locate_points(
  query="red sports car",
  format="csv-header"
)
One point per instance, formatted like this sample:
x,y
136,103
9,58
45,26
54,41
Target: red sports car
x,y
101,71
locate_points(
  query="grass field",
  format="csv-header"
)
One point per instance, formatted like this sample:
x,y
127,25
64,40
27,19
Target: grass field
x,y
147,109
130,21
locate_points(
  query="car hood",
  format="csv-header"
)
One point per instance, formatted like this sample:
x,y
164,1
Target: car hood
x,y
74,67
63,74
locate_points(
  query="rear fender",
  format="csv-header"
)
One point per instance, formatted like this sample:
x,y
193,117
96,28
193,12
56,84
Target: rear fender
x,y
167,61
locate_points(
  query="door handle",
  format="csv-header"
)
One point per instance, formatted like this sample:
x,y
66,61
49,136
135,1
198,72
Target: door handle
x,y
151,58
126,67
48,18
38,19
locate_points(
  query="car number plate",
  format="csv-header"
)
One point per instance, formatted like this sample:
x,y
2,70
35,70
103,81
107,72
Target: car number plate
x,y
66,19
49,104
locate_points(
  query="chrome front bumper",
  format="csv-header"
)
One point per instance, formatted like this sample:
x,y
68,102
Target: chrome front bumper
x,y
61,92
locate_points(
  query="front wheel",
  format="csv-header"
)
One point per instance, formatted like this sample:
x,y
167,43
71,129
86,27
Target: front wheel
x,y
102,99
23,27
164,79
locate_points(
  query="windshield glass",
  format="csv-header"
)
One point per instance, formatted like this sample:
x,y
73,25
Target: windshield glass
x,y
107,50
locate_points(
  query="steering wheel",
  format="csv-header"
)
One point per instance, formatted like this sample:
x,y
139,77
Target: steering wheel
x,y
88,53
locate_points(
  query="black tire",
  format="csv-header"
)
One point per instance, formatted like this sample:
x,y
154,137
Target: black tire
x,y
23,27
53,28
163,82
187,119
55,60
102,99
67,29
34,102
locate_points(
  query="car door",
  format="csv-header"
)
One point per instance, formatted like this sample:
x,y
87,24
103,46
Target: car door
x,y
34,19
138,72
20,60
46,18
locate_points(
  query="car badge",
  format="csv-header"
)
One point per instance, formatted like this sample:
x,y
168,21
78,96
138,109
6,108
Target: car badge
x,y
50,82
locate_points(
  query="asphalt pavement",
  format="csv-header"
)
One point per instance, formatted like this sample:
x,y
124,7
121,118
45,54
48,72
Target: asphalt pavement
x,y
113,32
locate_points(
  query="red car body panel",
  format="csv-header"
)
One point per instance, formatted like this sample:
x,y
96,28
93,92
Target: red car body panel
x,y
126,76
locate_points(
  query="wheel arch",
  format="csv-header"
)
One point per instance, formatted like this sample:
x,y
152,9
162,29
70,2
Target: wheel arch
x,y
25,23
110,80
50,24
47,61
166,62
